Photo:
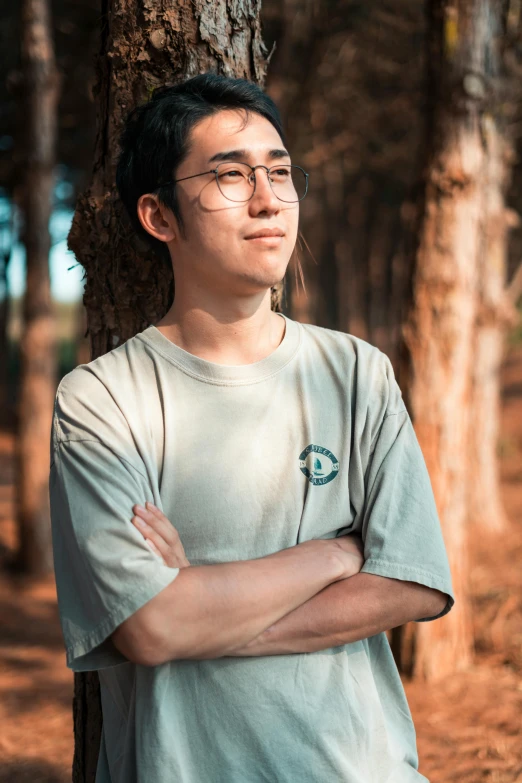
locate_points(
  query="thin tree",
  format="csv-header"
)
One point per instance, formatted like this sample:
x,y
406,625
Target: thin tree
x,y
127,287
39,90
6,247
440,330
496,312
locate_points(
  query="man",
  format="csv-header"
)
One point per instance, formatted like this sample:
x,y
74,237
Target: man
x,y
238,633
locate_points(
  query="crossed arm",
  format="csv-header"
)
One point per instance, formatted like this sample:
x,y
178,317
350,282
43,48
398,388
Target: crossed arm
x,y
332,612
347,611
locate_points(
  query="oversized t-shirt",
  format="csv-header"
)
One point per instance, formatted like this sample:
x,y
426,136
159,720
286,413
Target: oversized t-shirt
x,y
312,441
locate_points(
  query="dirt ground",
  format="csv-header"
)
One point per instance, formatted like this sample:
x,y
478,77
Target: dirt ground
x,y
468,726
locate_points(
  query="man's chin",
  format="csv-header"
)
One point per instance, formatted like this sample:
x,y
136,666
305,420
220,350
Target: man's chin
x,y
262,283
271,274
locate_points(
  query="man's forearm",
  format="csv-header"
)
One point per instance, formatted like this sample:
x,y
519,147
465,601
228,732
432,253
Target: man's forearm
x,y
346,611
208,610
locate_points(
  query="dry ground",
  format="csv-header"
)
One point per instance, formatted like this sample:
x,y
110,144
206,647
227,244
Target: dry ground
x,y
468,726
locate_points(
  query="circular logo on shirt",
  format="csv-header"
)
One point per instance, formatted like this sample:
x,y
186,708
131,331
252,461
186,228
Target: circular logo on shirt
x,y
318,464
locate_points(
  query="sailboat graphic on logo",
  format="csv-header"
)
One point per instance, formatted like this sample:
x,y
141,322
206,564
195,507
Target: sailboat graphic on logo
x,y
318,470
318,467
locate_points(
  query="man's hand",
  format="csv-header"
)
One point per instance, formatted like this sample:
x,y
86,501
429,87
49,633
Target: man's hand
x,y
160,535
163,538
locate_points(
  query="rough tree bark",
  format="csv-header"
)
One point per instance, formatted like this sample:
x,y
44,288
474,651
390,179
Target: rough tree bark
x,y
144,45
439,333
495,314
495,310
40,90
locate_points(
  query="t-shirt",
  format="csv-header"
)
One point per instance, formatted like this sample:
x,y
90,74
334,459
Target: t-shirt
x,y
312,441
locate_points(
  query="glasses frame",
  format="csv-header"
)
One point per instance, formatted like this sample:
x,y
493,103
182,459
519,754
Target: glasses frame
x,y
259,166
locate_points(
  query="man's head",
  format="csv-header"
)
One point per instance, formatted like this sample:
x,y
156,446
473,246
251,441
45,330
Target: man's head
x,y
178,134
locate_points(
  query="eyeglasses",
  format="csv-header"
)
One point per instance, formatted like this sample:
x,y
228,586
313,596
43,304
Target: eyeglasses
x,y
237,181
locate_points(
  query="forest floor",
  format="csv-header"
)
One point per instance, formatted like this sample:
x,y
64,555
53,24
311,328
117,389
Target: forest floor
x,y
469,727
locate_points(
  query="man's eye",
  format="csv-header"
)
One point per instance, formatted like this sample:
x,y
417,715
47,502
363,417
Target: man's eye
x,y
232,173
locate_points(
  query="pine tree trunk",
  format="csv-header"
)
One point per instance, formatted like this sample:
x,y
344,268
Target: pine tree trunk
x,y
5,397
40,88
495,311
144,45
440,330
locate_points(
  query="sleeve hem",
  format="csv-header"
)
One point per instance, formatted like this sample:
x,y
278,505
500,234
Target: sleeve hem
x,y
412,574
103,630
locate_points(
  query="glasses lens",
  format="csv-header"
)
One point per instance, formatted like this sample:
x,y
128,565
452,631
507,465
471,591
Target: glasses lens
x,y
288,182
236,181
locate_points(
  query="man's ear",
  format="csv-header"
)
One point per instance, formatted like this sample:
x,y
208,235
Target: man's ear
x,y
156,218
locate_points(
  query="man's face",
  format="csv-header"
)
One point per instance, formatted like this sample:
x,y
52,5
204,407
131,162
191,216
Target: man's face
x,y
215,251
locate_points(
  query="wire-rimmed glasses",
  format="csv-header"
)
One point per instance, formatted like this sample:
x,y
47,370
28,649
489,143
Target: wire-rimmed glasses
x,y
237,181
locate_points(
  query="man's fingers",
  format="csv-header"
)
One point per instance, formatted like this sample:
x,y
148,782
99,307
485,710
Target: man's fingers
x,y
157,528
158,521
150,534
157,512
153,547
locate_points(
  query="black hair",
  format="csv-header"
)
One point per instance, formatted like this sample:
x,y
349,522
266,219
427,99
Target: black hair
x,y
155,138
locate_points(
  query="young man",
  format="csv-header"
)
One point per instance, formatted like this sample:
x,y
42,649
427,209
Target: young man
x,y
239,634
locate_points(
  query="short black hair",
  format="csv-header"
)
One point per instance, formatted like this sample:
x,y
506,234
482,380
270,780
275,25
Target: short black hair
x,y
155,137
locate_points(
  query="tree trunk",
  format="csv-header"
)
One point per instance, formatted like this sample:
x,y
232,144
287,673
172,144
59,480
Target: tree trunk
x,y
440,331
6,252
144,45
495,312
40,88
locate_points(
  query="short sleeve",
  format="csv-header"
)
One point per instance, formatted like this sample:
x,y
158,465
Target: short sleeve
x,y
400,525
103,567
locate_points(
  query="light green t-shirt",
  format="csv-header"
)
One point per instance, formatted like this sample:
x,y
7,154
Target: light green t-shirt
x,y
313,441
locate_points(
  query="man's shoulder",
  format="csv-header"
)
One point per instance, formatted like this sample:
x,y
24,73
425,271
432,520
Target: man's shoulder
x,y
104,371
362,354
95,395
361,366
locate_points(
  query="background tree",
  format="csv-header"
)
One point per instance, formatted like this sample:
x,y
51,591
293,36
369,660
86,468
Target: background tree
x,y
127,287
499,95
40,89
74,31
451,286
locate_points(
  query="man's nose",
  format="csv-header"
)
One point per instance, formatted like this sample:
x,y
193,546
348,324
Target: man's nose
x,y
264,196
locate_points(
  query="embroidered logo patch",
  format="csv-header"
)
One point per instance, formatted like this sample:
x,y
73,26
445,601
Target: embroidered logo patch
x,y
318,464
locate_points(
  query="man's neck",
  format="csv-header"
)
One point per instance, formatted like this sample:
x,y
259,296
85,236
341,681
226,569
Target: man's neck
x,y
240,342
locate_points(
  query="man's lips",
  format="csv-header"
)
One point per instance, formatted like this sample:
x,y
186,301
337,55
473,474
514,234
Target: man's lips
x,y
265,233
266,240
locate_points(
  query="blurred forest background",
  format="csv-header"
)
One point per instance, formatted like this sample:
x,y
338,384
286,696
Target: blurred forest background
x,y
408,118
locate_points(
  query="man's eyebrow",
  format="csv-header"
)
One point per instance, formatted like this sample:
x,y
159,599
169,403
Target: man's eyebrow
x,y
235,154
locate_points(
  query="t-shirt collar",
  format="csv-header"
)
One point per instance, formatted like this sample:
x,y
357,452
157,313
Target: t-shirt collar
x,y
227,374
